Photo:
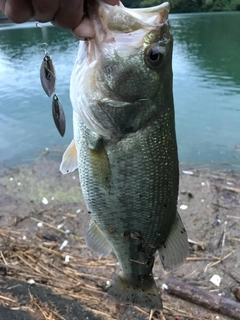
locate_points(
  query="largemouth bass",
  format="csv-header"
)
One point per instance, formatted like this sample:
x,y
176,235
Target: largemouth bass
x,y
125,146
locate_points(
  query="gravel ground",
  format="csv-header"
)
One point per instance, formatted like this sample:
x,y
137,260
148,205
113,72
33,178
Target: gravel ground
x,y
209,204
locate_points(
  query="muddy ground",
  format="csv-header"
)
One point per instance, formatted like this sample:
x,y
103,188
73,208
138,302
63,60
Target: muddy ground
x,y
40,278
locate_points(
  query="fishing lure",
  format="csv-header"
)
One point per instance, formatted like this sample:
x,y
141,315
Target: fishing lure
x,y
48,75
48,81
58,115
47,70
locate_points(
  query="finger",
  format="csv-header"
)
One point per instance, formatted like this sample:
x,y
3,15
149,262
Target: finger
x,y
45,10
70,14
18,10
2,5
112,2
84,30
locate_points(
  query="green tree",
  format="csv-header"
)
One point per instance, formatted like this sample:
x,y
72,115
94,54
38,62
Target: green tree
x,y
235,5
176,5
131,3
150,3
189,5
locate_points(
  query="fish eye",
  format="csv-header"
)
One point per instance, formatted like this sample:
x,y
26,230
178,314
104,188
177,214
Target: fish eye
x,y
154,56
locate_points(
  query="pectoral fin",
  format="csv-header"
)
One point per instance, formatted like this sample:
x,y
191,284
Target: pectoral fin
x,y
175,250
99,163
94,140
96,240
69,160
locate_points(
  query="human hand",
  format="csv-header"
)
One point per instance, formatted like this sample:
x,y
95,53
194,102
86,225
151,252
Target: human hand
x,y
63,13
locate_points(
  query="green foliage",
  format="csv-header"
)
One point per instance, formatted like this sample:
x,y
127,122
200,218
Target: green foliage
x,y
132,3
221,5
189,5
150,3
235,5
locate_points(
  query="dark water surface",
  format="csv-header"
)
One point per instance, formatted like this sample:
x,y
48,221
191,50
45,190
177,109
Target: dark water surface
x,y
206,66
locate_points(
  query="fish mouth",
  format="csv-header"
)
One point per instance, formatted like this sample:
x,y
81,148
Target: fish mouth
x,y
119,34
125,20
118,26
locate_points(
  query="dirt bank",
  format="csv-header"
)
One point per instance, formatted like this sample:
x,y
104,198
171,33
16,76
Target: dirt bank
x,y
46,271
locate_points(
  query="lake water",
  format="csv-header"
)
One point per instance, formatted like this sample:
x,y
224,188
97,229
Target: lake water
x,y
206,65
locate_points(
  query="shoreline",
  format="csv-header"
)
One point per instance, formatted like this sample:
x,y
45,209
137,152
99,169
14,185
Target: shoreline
x,y
38,204
55,154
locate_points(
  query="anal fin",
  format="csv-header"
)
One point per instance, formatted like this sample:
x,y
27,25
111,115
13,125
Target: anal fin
x,y
69,160
175,250
96,240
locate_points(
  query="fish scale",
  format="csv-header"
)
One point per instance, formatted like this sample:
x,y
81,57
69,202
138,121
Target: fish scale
x,y
110,206
125,146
